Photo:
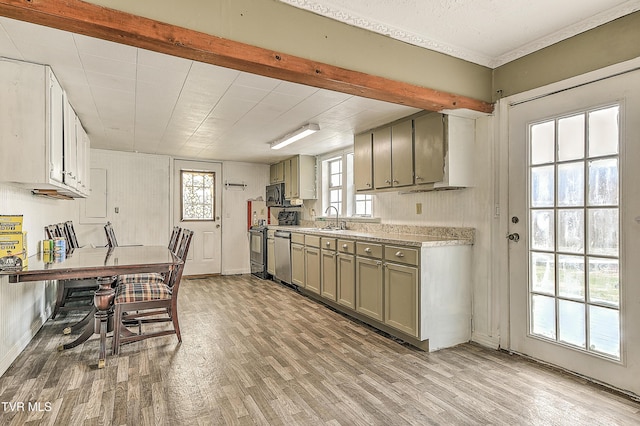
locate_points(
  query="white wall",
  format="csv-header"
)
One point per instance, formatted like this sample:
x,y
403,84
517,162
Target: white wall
x,y
25,307
235,239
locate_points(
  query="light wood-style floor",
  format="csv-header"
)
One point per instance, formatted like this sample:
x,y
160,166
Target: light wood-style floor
x,y
255,352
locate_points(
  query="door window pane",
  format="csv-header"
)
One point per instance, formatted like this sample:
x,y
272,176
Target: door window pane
x,y
604,281
571,320
603,182
571,184
603,231
197,195
542,186
542,228
543,273
604,327
571,277
571,230
571,138
543,316
603,132
542,142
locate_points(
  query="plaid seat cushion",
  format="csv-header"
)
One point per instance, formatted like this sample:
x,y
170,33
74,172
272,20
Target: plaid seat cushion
x,y
141,291
154,277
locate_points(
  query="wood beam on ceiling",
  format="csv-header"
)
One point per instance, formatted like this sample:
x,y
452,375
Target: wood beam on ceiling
x,y
108,24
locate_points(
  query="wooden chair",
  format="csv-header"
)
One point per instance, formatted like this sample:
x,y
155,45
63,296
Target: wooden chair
x,y
153,276
69,291
111,235
149,302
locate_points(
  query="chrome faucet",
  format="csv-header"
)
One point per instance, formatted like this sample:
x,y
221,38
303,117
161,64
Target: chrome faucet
x,y
336,209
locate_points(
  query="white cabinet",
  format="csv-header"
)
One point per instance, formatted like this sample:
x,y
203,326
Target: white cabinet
x,y
37,132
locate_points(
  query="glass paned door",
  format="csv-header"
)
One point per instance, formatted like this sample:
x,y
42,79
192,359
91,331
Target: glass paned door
x,y
574,203
574,227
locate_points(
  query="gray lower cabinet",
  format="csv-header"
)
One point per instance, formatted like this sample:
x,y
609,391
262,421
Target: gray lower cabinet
x,y
297,264
329,267
312,269
401,298
369,288
347,280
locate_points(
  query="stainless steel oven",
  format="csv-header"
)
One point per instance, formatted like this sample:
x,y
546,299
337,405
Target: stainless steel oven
x,y
258,251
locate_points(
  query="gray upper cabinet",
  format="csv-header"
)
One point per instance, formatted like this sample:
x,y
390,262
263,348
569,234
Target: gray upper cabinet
x,y
402,154
382,158
429,148
424,152
362,162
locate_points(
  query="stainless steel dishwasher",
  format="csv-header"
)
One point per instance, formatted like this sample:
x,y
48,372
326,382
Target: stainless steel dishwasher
x,y
283,256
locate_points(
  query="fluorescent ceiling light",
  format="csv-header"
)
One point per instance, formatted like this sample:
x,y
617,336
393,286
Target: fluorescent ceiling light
x,y
302,132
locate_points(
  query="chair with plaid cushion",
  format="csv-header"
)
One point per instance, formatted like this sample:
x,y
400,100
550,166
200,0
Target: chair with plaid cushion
x,y
148,302
152,276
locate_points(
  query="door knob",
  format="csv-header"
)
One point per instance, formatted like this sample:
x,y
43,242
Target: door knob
x,y
515,237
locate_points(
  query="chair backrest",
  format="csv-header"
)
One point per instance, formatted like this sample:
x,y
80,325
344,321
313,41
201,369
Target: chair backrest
x,y
175,238
183,250
111,235
71,235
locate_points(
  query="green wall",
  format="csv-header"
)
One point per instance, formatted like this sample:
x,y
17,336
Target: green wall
x,y
608,44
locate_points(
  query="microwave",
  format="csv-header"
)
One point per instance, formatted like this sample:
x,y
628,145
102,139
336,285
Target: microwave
x,y
275,196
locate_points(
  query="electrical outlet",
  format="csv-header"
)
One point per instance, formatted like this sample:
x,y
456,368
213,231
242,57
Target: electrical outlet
x,y
418,208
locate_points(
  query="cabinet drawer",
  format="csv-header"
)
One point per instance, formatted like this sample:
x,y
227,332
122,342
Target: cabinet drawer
x,y
311,241
347,246
369,250
297,238
401,254
328,243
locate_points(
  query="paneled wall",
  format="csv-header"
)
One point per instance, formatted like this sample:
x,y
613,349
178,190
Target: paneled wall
x,y
25,307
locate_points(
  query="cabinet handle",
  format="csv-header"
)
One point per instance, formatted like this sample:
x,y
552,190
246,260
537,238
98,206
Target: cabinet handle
x,y
367,250
395,181
387,181
328,243
344,246
368,184
378,263
399,254
419,178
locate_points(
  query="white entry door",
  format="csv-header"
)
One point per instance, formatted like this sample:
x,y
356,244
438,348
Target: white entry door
x,y
197,207
574,219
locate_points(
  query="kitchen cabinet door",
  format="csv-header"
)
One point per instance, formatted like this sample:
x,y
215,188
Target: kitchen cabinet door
x,y
312,269
369,288
402,154
297,264
382,158
363,162
429,148
329,274
276,172
70,146
401,298
347,280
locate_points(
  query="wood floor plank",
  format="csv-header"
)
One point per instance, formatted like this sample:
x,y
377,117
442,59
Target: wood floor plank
x,y
256,352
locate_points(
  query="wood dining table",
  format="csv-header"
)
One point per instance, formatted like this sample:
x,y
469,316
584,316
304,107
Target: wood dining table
x,y
103,264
